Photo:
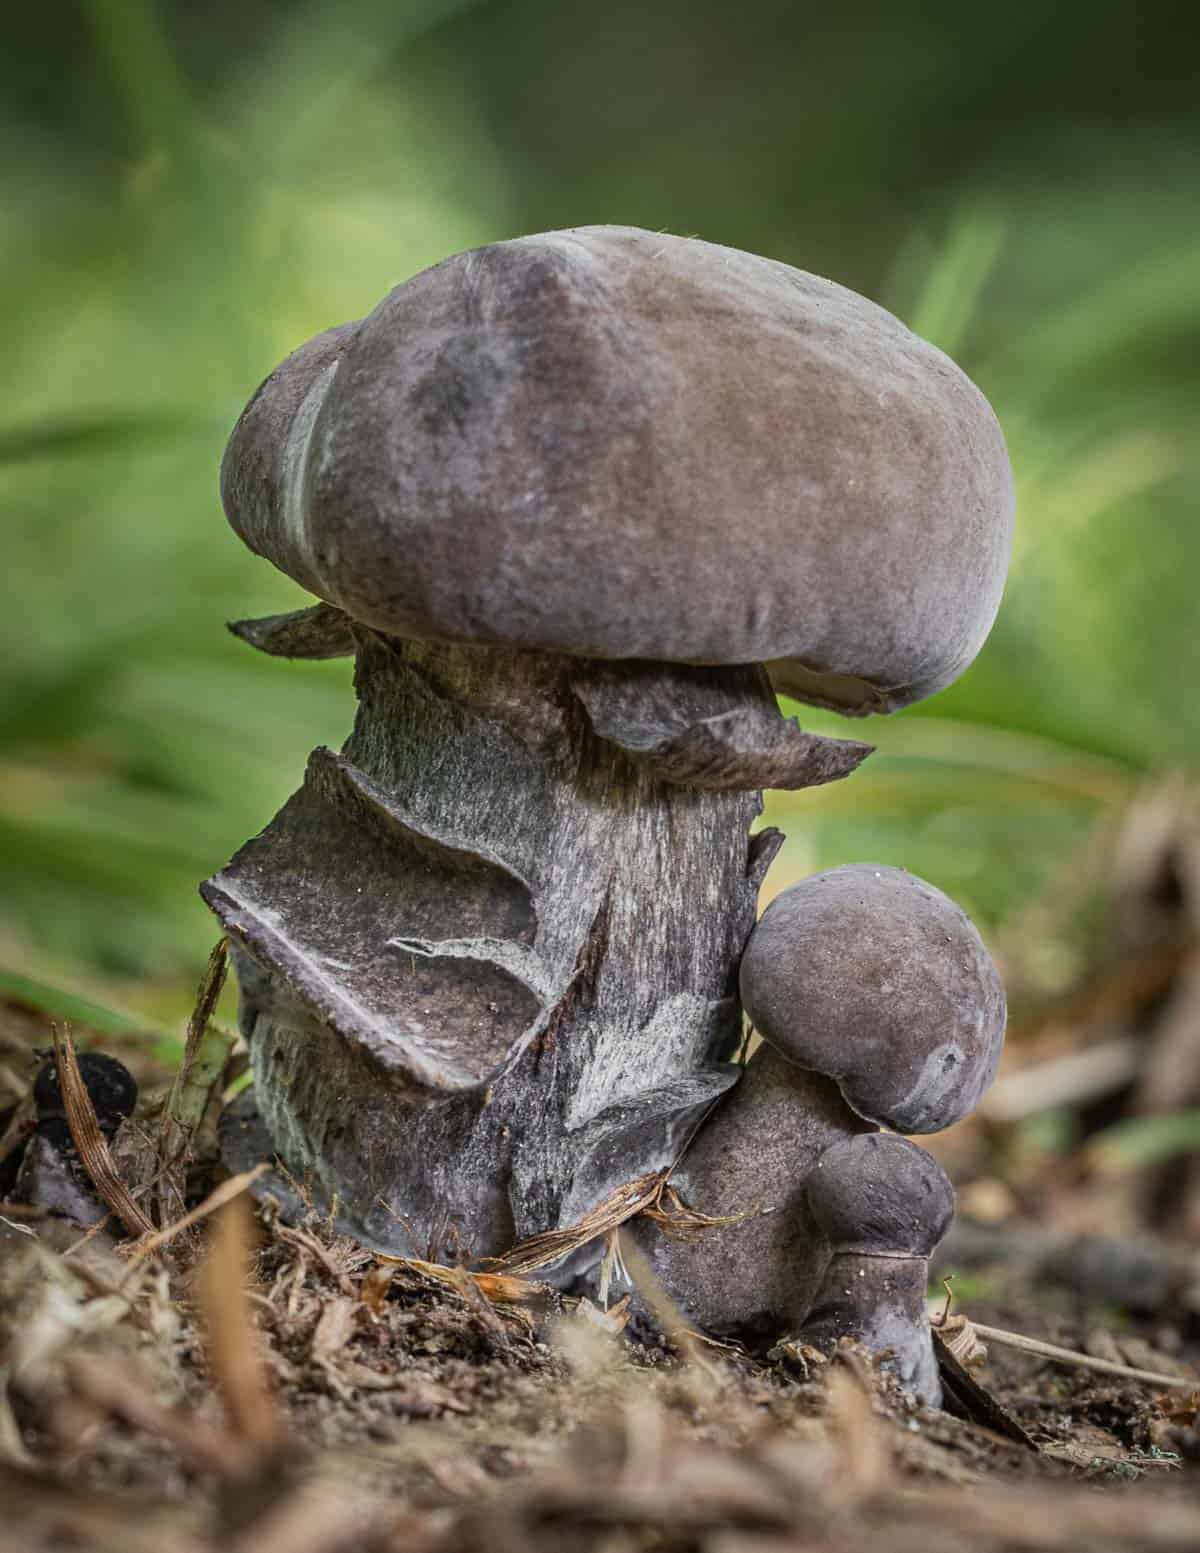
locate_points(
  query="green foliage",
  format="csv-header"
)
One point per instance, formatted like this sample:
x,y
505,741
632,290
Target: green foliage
x,y
1083,689
1140,1141
242,198
139,744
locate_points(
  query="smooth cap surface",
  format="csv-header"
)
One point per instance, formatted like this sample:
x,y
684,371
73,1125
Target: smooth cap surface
x,y
877,1192
873,977
619,444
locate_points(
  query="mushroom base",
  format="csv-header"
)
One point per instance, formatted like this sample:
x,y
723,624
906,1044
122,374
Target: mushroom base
x,y
755,1271
488,958
879,1300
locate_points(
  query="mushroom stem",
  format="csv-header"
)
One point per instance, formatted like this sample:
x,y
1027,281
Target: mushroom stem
x,y
488,959
878,1299
756,1274
882,1205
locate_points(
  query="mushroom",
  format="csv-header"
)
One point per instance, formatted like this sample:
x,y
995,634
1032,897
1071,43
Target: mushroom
x,y
753,1272
577,502
875,978
51,1175
882,1205
878,1005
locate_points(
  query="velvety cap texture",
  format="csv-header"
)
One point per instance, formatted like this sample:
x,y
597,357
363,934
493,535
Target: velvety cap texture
x,y
618,444
871,976
878,1192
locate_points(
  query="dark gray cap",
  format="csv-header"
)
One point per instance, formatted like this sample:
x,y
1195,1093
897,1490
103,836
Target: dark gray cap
x,y
618,444
871,976
880,1193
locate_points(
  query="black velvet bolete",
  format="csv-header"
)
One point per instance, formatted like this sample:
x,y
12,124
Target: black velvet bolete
x,y
619,444
51,1176
873,977
878,1005
882,1205
579,504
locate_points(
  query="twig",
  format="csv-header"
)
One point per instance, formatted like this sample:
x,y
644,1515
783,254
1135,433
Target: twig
x,y
234,1357
20,1125
111,1390
89,1141
1082,1361
88,1236
203,1057
205,1054
217,1198
9,1080
966,1348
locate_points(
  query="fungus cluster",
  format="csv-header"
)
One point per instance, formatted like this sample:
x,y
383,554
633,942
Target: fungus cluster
x,y
580,504
878,1006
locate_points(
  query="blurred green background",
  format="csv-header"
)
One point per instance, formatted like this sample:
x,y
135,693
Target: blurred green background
x,y
189,191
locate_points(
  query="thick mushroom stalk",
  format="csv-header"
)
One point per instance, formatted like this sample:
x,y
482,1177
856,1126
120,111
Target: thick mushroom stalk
x,y
564,498
488,955
754,1271
882,1205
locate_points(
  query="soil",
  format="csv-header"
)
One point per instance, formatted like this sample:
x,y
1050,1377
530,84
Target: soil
x,y
347,1403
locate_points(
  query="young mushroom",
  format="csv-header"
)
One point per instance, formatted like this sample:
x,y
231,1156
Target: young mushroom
x,y
51,1176
878,1005
754,1271
875,978
882,1204
577,502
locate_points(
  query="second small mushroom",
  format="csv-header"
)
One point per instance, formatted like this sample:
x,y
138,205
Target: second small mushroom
x,y
878,1006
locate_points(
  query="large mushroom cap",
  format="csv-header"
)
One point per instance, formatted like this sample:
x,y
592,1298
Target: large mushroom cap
x,y
873,977
619,444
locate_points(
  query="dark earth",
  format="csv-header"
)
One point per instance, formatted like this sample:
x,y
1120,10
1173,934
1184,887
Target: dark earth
x,y
348,1403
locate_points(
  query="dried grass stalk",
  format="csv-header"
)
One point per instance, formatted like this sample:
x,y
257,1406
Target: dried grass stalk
x,y
216,1199
234,1358
555,1244
674,1217
90,1142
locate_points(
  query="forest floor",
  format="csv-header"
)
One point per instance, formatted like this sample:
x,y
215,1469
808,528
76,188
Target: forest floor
x,y
337,1402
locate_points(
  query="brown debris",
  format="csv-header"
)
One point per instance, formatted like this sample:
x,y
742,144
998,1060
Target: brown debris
x,y
120,1395
235,1360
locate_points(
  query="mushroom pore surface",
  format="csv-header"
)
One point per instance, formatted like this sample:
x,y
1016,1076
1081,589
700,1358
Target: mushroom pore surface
x,y
875,978
570,441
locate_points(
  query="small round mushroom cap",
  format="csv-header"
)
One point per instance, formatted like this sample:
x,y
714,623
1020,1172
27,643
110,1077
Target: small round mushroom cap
x,y
877,1192
618,444
111,1087
873,977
